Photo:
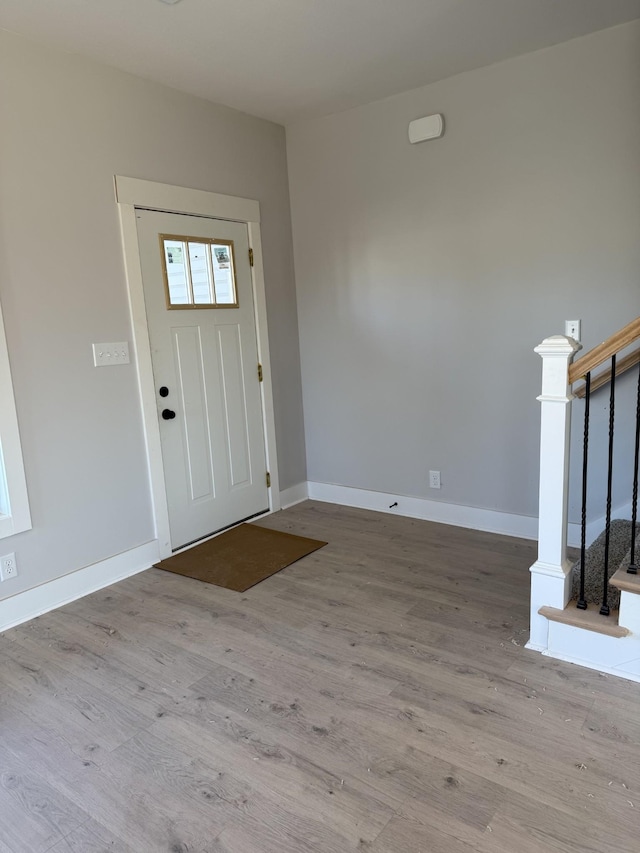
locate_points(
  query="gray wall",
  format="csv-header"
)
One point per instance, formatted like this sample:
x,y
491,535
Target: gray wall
x,y
69,125
426,274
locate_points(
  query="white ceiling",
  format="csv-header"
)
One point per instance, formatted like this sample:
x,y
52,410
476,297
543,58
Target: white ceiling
x,y
291,59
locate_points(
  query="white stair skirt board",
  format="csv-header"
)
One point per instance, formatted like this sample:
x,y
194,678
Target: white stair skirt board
x,y
56,593
294,495
475,518
613,655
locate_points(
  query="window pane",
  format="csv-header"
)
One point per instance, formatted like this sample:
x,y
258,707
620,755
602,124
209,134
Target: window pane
x,y
200,274
174,256
223,273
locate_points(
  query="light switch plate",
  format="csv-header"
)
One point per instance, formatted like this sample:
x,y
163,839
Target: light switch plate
x,y
572,329
105,355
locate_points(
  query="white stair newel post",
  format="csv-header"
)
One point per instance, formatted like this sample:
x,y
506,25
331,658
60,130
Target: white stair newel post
x,y
550,574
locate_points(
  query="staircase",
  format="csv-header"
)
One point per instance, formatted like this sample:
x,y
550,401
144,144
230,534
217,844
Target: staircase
x,y
587,612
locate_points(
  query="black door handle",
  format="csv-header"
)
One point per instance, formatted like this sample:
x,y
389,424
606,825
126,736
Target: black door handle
x,y
163,391
168,415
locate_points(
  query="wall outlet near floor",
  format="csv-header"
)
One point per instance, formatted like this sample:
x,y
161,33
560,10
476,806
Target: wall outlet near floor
x,y
434,479
8,567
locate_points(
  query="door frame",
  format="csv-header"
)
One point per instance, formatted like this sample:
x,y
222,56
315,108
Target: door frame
x,y
132,193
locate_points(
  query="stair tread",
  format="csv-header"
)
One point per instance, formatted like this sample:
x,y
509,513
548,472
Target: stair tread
x,y
589,619
623,580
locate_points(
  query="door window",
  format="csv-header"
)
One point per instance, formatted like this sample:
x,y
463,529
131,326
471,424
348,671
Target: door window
x,y
198,272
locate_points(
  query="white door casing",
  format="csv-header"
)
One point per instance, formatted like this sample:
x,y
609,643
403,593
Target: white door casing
x,y
132,193
206,361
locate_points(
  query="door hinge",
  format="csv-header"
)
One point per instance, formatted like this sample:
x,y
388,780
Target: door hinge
x,y
268,480
250,257
260,376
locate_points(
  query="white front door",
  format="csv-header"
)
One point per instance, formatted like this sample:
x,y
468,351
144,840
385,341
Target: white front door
x,y
201,320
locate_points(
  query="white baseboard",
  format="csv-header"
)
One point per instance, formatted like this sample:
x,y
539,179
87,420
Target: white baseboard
x,y
294,495
459,515
56,593
509,524
573,535
595,527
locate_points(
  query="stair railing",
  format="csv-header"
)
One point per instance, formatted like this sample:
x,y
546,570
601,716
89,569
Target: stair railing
x,y
551,573
582,369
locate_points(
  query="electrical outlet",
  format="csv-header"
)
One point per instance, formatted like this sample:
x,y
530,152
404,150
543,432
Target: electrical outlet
x,y
8,567
434,479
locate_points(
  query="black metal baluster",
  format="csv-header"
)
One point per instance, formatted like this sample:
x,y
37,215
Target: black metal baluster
x,y
605,609
633,566
582,604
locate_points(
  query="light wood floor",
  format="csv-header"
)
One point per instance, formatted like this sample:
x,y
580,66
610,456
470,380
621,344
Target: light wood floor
x,y
375,696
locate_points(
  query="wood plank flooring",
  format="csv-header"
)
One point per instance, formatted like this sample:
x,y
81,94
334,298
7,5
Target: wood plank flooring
x,y
375,696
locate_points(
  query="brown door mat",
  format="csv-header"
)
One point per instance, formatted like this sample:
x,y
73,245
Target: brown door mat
x,y
241,557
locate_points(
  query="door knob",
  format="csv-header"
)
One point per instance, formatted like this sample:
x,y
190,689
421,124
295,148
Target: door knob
x,y
168,415
163,391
